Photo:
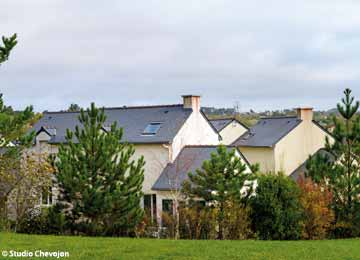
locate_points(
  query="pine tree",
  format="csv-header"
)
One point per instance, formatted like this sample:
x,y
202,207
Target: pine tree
x,y
8,45
340,170
220,180
98,180
14,125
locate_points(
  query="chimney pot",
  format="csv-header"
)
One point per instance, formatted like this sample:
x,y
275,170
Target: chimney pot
x,y
305,113
191,101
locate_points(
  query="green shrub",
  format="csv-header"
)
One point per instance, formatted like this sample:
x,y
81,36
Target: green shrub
x,y
43,221
34,222
276,209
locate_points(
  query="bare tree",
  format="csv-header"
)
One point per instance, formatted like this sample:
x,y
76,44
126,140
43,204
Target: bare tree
x,y
180,165
23,180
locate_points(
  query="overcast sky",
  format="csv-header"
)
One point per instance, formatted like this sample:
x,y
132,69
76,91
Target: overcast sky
x,y
261,54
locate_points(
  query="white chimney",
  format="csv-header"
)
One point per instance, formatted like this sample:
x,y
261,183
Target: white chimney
x,y
305,113
191,101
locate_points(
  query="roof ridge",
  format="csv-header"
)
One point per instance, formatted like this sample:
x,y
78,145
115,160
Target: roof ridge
x,y
115,108
225,118
206,145
145,106
278,117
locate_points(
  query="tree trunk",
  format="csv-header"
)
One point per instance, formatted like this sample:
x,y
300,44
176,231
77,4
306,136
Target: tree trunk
x,y
177,220
221,220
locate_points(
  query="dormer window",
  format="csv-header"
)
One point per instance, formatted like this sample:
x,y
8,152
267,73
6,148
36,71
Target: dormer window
x,y
152,128
51,131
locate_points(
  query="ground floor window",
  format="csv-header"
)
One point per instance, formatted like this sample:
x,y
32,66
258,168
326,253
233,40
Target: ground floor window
x,y
167,206
47,196
150,206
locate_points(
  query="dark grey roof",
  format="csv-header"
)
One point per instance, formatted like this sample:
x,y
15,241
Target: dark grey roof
x,y
301,170
189,159
132,119
267,132
220,124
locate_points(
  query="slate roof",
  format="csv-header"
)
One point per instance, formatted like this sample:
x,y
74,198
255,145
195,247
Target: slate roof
x,y
220,124
300,171
267,132
132,119
189,159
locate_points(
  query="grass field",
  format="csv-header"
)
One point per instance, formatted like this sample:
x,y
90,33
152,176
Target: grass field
x,y
127,248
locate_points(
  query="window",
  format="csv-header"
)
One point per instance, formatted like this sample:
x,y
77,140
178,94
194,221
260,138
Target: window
x,y
46,196
167,206
150,206
152,128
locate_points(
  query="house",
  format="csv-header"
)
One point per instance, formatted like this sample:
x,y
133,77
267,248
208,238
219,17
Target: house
x,y
283,143
159,133
230,129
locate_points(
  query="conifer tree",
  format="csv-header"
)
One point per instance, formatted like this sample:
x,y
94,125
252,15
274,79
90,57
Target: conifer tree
x,y
340,170
8,45
14,125
99,182
219,181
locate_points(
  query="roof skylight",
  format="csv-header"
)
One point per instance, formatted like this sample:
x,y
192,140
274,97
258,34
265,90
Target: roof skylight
x,y
152,128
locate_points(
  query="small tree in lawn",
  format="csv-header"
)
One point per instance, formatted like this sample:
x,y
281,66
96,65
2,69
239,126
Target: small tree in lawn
x,y
98,180
341,174
221,179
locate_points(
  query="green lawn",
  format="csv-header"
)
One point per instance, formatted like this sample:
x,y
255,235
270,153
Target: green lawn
x,y
127,248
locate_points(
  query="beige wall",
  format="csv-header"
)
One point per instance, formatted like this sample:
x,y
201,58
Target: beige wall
x,y
195,131
156,158
295,148
264,156
232,132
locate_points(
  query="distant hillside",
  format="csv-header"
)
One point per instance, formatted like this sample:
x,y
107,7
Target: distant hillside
x,y
250,118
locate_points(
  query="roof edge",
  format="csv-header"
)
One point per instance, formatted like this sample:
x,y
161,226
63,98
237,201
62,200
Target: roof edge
x,y
322,128
211,125
288,132
115,108
42,129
